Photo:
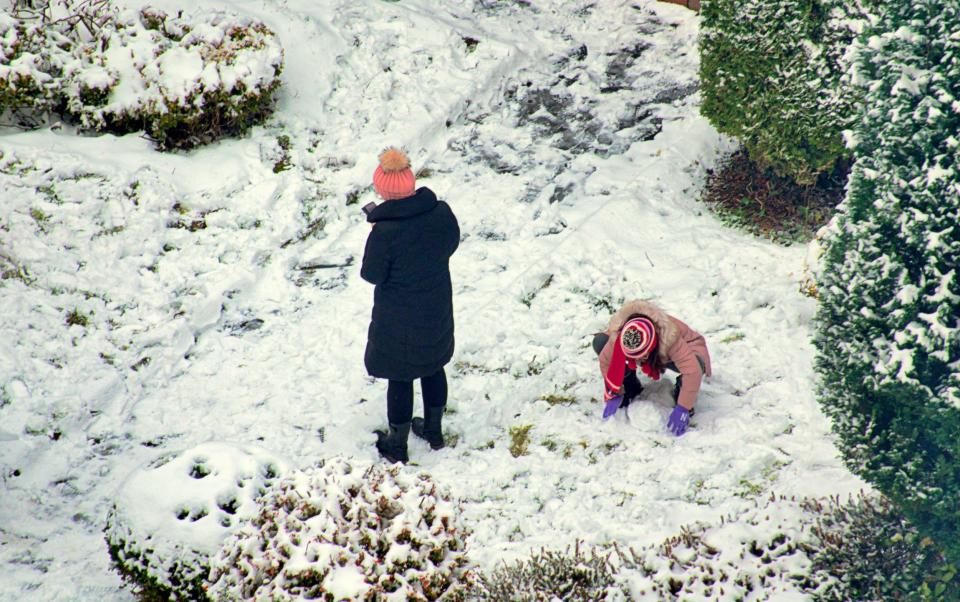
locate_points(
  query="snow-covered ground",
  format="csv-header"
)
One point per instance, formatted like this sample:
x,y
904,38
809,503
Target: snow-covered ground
x,y
224,300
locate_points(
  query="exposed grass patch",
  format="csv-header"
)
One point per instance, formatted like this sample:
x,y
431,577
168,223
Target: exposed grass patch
x,y
10,269
745,195
283,163
535,367
737,336
550,443
555,399
751,489
606,303
520,440
528,298
353,197
466,367
40,217
109,231
75,317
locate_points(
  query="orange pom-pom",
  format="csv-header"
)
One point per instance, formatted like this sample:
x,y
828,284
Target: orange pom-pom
x,y
393,159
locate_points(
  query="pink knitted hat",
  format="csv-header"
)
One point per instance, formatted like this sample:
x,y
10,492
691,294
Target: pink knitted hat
x,y
638,337
393,178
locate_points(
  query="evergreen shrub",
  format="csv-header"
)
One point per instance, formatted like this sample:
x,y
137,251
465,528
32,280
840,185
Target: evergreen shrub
x,y
887,331
550,575
761,553
344,532
772,76
185,80
170,517
25,81
866,550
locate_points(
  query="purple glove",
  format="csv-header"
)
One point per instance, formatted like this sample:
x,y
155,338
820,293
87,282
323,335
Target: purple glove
x,y
613,404
679,419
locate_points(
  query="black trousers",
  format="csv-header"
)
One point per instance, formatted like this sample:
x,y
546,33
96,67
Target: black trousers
x,y
400,396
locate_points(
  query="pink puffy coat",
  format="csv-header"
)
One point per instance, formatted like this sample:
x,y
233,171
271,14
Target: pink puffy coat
x,y
678,344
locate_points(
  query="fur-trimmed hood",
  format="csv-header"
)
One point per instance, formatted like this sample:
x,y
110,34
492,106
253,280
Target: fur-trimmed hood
x,y
667,331
680,348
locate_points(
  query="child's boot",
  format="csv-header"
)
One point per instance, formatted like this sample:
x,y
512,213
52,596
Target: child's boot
x,y
631,387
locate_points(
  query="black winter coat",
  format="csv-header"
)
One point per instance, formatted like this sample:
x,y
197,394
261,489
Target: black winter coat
x,y
407,258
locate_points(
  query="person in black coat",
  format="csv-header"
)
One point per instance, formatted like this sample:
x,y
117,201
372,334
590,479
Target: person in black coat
x,y
411,328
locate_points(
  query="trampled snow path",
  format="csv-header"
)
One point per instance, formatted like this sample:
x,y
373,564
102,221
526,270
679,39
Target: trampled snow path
x,y
566,138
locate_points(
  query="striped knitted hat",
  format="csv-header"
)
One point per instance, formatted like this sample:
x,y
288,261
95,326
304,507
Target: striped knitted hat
x,y
638,337
393,178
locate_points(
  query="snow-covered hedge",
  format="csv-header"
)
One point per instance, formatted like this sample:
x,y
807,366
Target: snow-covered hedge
x,y
888,327
347,532
761,554
25,80
772,76
551,575
758,555
866,550
170,517
185,80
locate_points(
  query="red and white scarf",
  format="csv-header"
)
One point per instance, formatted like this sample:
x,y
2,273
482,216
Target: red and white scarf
x,y
641,339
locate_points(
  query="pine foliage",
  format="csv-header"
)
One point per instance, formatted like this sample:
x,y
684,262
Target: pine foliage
x,y
771,75
887,334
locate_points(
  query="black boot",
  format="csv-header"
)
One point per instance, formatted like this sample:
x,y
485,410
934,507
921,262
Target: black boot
x,y
430,427
393,445
631,387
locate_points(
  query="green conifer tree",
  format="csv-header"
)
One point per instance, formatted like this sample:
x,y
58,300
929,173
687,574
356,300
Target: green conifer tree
x,y
771,75
887,334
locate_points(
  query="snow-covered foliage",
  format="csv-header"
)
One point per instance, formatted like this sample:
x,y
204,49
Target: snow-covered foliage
x,y
760,554
184,79
813,262
24,80
772,75
171,516
345,531
888,334
551,575
865,549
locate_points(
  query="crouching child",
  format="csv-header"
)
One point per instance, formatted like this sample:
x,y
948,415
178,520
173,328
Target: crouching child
x,y
641,336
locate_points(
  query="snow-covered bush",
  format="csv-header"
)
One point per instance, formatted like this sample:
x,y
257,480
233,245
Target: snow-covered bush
x,y
345,532
866,550
758,555
186,80
24,79
170,517
771,75
549,576
762,553
888,336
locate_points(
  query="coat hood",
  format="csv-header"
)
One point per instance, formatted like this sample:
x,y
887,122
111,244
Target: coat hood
x,y
667,331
